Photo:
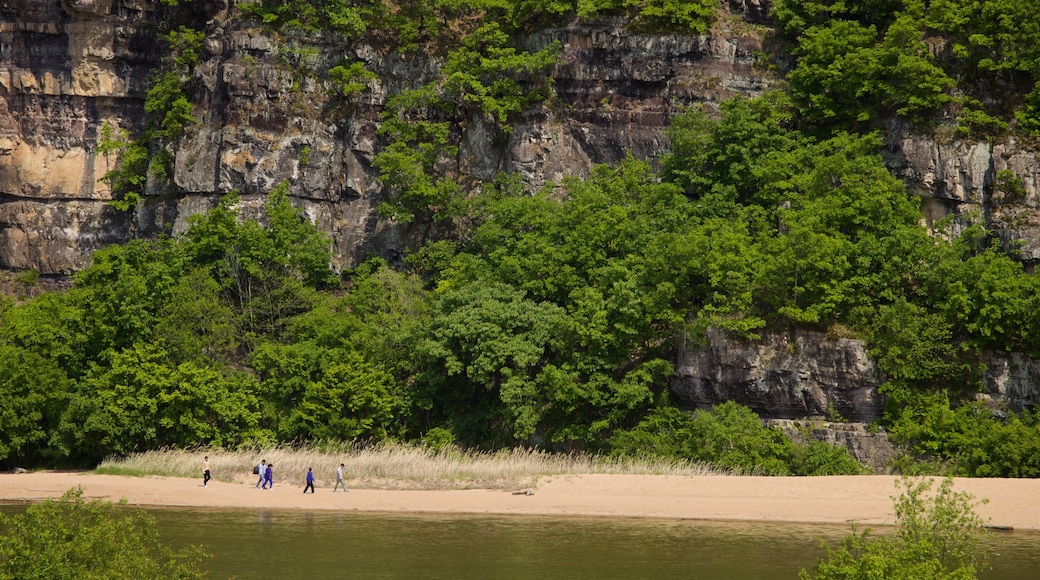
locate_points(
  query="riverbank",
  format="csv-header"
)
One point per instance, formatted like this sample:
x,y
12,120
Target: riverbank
x,y
863,500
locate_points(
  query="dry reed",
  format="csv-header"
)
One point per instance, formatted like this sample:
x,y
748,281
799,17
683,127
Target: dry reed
x,y
393,466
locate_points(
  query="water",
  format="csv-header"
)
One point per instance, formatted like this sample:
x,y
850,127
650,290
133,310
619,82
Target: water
x,y
290,544
374,546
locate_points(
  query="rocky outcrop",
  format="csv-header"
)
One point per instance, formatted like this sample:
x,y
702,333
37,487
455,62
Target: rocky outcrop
x,y
783,376
960,178
806,374
870,446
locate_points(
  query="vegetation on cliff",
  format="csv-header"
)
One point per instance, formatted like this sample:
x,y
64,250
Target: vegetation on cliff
x,y
552,318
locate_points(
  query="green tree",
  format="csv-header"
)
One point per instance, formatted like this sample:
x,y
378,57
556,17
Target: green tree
x,y
729,436
485,355
33,393
50,326
725,158
142,402
122,292
732,436
195,324
331,393
267,273
849,73
347,398
94,540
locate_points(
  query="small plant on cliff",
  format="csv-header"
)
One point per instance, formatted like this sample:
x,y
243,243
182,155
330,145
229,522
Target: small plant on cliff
x,y
349,80
938,537
169,110
74,538
127,179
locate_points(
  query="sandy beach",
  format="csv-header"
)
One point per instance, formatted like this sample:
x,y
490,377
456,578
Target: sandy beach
x,y
863,500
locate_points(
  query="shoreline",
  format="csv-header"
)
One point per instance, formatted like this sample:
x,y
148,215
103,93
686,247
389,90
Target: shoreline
x,y
861,500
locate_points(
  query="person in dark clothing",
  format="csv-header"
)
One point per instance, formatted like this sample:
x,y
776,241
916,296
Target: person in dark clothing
x,y
205,471
310,481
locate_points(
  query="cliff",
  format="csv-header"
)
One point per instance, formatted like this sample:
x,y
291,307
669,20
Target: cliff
x,y
803,373
69,67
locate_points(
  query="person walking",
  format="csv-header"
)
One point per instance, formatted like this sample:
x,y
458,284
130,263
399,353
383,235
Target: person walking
x,y
268,477
310,481
205,471
339,479
262,471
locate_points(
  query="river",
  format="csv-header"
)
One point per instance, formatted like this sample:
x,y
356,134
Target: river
x,y
290,544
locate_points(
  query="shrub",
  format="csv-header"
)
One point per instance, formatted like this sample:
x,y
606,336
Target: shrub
x,y
73,538
937,537
732,437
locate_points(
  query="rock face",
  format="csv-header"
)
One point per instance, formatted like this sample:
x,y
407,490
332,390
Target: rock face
x,y
960,177
265,116
65,69
806,374
869,447
783,376
68,67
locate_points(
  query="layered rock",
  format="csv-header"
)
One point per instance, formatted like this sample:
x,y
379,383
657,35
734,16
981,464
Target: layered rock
x,y
960,178
265,116
807,374
783,376
66,68
868,445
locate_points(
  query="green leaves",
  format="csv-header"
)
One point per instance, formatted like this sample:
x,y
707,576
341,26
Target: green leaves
x,y
861,61
484,74
96,540
489,342
732,437
849,73
33,393
142,402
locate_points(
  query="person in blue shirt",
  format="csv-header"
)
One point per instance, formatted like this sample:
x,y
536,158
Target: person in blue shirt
x,y
269,477
310,481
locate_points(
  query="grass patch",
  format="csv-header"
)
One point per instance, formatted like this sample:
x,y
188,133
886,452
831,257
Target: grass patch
x,y
393,466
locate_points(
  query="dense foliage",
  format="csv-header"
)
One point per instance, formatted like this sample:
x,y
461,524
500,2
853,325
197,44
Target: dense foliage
x,y
732,437
94,540
863,61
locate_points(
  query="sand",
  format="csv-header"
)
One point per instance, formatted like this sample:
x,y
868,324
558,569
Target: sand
x,y
862,500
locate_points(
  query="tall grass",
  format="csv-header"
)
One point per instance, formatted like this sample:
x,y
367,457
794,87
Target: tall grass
x,y
393,466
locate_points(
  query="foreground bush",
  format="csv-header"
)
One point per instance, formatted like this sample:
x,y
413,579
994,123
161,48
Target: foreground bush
x,y
938,537
88,540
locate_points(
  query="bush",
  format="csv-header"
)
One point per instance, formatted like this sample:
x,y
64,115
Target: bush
x,y
730,436
819,458
938,537
73,538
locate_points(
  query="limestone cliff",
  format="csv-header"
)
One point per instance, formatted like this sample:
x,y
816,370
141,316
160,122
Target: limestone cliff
x,y
67,67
